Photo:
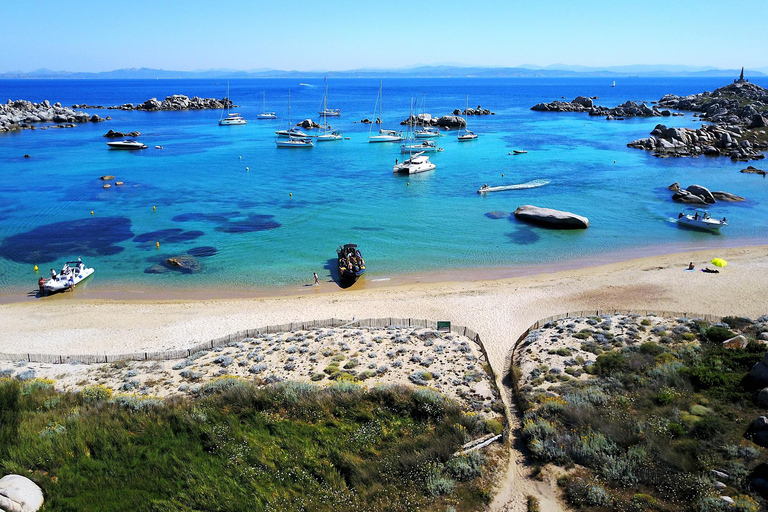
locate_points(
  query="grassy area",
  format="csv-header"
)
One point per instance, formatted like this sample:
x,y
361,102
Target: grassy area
x,y
652,419
240,447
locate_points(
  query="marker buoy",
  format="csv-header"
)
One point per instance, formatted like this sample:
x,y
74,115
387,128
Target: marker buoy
x,y
502,175
35,268
91,212
290,194
157,244
409,183
240,157
154,208
247,168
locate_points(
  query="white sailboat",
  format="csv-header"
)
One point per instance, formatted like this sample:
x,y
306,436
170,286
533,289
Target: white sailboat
x,y
326,135
233,117
292,137
328,112
411,145
468,134
425,131
383,135
417,162
264,114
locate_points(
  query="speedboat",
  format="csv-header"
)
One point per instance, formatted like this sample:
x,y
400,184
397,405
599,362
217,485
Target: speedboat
x,y
330,112
519,151
700,220
291,132
351,263
295,142
72,274
426,132
518,186
328,136
467,135
267,115
233,118
126,144
427,146
419,162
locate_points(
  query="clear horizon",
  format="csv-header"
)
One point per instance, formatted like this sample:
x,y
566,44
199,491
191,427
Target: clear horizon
x,y
346,35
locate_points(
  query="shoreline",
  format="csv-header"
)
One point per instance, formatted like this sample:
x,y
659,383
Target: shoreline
x,y
123,291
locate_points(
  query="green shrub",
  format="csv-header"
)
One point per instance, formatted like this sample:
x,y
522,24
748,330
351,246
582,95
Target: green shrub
x,y
709,428
493,427
666,395
737,322
532,503
94,394
465,467
611,362
717,334
651,348
584,334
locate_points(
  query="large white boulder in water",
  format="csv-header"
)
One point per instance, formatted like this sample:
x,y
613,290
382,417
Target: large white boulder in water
x,y
19,494
551,218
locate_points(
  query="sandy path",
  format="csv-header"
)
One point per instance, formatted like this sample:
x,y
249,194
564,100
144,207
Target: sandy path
x,y
499,310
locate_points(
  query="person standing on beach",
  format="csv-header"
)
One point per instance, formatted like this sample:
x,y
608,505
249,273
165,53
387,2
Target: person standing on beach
x,y
314,274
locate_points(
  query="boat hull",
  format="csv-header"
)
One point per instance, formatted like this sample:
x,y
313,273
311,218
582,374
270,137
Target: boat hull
x,y
385,138
126,145
231,122
61,283
266,116
303,143
706,225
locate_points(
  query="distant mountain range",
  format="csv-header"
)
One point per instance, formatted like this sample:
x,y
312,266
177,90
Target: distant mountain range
x,y
439,71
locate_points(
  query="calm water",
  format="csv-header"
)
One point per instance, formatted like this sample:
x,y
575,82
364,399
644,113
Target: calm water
x,y
258,216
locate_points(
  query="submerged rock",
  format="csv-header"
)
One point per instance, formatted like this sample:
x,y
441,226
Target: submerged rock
x,y
551,218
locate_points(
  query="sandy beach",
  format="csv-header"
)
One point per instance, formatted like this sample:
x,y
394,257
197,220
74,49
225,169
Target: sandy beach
x,y
499,310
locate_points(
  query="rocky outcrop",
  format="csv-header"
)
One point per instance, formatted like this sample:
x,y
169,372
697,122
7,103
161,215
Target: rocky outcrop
x,y
550,218
451,122
308,124
19,494
22,114
177,102
753,170
186,264
696,194
479,111
423,119
584,104
708,140
112,134
740,103
759,372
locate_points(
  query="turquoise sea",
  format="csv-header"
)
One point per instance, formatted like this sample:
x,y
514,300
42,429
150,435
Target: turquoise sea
x,y
257,216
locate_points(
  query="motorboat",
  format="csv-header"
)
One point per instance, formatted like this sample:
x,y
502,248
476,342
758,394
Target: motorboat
x,y
700,220
426,132
232,118
329,136
295,142
291,132
126,144
519,151
72,274
418,162
383,135
330,112
427,146
351,263
518,186
264,114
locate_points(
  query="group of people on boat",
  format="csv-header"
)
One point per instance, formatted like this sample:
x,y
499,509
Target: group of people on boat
x,y
696,216
351,260
67,272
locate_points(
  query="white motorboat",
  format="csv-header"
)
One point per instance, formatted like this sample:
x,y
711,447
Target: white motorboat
x,y
126,144
419,162
72,274
427,146
467,134
426,132
264,114
330,112
700,220
518,186
383,135
295,142
292,132
232,118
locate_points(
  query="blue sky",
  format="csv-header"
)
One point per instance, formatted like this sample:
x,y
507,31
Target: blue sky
x,y
87,35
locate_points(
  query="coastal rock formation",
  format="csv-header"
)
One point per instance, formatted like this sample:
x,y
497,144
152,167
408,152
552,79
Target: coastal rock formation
x,y
451,122
479,111
696,194
22,114
423,119
739,103
112,134
709,140
753,170
19,494
186,264
308,124
584,104
177,102
551,218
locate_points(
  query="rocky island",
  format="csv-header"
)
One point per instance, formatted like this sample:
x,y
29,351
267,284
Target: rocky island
x,y
176,102
23,114
584,104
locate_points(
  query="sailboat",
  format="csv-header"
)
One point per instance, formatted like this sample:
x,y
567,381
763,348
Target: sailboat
x,y
326,135
613,84
328,112
411,146
232,118
293,137
417,162
264,114
468,134
384,135
425,132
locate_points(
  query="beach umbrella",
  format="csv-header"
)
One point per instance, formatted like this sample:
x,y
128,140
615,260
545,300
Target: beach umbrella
x,y
719,262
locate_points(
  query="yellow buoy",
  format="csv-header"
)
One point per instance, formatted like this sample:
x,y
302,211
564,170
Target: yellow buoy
x,y
502,175
36,268
157,244
290,194
154,208
91,212
247,168
409,183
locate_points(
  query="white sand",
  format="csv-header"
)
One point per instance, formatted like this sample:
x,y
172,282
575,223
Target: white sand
x,y
499,311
